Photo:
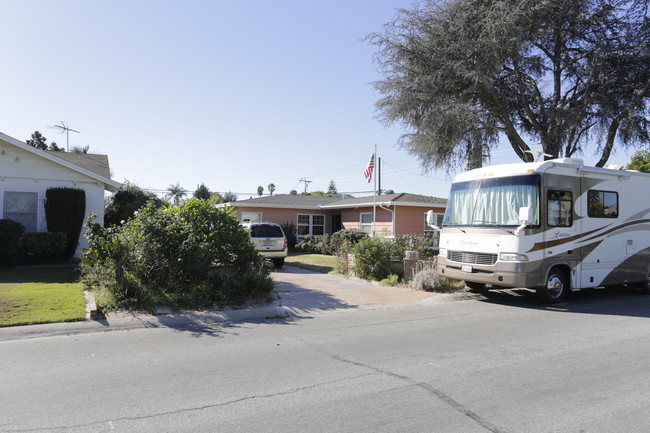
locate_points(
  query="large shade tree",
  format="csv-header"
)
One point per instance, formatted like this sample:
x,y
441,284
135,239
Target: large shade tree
x,y
564,74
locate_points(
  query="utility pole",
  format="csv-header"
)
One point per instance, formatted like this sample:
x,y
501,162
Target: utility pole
x,y
307,182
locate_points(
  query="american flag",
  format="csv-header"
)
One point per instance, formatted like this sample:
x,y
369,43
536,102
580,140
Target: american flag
x,y
369,168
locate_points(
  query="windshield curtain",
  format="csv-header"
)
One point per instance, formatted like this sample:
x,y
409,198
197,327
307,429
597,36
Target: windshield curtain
x,y
493,201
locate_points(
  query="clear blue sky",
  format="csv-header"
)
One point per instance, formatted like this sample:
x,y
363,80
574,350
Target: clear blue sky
x,y
234,94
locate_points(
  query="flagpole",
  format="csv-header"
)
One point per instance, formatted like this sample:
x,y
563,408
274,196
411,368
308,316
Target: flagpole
x,y
374,196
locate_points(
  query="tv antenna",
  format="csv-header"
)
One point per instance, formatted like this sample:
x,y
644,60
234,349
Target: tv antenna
x,y
64,128
307,182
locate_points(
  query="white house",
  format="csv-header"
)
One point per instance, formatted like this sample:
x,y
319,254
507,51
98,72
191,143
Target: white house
x,y
26,173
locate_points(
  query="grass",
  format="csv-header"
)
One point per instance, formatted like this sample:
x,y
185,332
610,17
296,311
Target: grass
x,y
29,296
313,262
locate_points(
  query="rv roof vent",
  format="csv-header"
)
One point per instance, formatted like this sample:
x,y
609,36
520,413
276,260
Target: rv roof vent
x,y
573,161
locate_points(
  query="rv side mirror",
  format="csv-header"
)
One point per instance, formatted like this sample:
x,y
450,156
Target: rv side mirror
x,y
431,220
525,218
526,215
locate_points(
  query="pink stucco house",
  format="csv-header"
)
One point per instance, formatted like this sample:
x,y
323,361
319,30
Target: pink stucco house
x,y
396,214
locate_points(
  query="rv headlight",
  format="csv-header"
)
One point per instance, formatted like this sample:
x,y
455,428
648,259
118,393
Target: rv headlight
x,y
442,252
513,257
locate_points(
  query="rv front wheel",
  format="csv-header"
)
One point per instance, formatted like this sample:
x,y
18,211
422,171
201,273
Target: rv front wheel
x,y
556,288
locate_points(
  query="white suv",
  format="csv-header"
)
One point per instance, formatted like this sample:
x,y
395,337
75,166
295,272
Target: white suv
x,y
269,240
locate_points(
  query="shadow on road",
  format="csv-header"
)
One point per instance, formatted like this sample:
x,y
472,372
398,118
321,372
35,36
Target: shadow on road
x,y
617,301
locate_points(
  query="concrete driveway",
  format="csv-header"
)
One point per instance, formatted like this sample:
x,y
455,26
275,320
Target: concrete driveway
x,y
298,288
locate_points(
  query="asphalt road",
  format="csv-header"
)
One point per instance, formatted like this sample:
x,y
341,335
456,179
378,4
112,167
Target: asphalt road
x,y
505,364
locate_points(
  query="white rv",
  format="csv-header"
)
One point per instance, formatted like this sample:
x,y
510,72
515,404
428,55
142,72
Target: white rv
x,y
552,226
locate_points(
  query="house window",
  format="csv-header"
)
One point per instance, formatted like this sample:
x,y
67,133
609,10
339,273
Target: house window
x,y
602,204
251,217
437,217
310,225
22,207
365,222
560,208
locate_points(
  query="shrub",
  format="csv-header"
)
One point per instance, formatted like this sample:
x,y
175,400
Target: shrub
x,y
373,258
428,280
346,237
44,246
290,232
65,209
316,244
331,244
10,233
390,281
190,255
416,243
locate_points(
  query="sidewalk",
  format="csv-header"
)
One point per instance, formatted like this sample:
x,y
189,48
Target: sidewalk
x,y
298,293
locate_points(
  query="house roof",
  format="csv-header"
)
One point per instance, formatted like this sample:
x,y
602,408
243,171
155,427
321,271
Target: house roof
x,y
401,199
90,161
288,201
94,166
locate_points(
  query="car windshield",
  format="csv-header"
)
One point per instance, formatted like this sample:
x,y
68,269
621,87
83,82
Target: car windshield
x,y
266,231
492,201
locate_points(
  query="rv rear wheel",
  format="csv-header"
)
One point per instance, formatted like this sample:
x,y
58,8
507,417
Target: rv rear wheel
x,y
556,287
474,287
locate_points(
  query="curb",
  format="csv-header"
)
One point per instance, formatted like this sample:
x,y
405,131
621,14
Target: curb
x,y
198,321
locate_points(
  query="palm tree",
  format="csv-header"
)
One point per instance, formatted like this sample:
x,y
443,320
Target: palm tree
x,y
176,193
79,149
271,188
260,190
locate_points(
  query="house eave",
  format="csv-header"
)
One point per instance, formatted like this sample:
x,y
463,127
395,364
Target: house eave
x,y
109,184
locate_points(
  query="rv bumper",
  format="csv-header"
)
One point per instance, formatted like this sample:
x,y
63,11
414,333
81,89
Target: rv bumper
x,y
505,274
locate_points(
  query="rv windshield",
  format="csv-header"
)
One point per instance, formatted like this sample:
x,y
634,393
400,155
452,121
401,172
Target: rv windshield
x,y
492,201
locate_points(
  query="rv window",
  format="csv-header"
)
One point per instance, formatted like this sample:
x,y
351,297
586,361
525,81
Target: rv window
x,y
493,201
560,208
602,204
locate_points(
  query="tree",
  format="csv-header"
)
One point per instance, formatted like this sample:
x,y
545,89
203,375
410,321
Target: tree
x,y
229,196
202,192
260,190
271,188
39,141
176,193
640,161
461,74
331,189
122,205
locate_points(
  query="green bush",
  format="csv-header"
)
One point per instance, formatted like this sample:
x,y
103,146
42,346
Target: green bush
x,y
190,255
65,209
372,258
10,233
44,246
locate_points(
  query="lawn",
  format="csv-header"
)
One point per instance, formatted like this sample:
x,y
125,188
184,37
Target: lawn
x,y
313,262
29,296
